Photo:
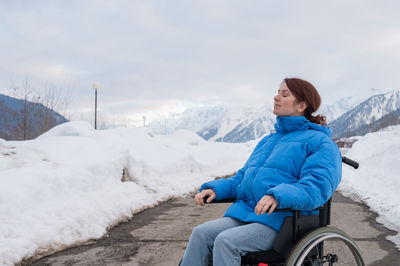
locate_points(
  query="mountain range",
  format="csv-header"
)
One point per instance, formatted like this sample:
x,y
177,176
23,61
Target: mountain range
x,y
22,119
347,117
235,124
371,115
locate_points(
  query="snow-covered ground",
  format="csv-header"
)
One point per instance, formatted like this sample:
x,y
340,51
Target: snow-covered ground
x,y
66,187
377,181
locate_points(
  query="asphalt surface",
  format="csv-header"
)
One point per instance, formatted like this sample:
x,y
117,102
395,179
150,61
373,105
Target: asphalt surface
x,y
158,236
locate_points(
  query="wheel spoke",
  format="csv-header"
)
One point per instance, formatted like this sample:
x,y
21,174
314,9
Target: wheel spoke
x,y
337,247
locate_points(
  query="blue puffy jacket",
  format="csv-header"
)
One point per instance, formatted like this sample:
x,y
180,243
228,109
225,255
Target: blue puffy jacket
x,y
298,164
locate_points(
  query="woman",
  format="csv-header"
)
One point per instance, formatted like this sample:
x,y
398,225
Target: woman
x,y
298,167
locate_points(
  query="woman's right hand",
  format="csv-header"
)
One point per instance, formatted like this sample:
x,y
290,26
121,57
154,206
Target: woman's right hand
x,y
199,198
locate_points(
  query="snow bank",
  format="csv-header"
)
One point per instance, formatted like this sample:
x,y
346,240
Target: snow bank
x,y
65,187
377,181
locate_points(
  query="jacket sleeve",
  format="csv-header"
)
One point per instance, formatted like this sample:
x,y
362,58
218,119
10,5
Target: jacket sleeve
x,y
225,188
319,177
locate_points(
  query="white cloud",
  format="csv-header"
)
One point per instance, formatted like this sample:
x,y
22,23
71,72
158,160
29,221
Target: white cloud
x,y
148,54
388,42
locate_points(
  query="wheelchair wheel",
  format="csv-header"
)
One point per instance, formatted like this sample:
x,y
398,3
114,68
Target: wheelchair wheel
x,y
325,246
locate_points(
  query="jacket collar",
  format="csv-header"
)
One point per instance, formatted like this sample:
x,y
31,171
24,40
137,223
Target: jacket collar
x,y
286,124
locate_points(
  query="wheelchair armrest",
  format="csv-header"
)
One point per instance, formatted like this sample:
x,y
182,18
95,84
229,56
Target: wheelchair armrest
x,y
218,201
297,211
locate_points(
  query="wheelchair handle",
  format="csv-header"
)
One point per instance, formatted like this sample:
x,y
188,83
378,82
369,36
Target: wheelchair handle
x,y
350,162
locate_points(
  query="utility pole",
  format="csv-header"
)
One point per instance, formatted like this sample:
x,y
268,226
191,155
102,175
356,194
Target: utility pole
x,y
95,87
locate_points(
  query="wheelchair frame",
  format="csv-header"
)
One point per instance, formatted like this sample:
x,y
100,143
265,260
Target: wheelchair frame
x,y
300,241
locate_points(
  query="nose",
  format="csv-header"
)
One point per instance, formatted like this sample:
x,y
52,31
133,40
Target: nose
x,y
277,98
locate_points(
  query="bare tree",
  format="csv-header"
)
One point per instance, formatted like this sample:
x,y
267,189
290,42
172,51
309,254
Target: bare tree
x,y
26,92
54,99
39,107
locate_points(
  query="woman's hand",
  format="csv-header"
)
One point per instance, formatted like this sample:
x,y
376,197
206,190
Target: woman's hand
x,y
265,203
199,198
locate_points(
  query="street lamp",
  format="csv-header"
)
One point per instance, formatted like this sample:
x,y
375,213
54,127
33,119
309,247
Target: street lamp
x,y
95,87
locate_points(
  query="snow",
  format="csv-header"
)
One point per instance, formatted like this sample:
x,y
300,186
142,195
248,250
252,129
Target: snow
x,y
377,181
65,187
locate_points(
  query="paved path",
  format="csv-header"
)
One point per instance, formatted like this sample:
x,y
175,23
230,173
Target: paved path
x,y
158,236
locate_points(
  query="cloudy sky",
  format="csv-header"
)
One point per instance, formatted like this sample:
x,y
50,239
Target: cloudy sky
x,y
152,57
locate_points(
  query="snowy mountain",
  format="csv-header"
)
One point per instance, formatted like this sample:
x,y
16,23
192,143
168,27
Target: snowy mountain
x,y
335,110
371,115
194,119
235,124
240,125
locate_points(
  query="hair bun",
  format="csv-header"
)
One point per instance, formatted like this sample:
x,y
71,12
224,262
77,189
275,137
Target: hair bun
x,y
319,119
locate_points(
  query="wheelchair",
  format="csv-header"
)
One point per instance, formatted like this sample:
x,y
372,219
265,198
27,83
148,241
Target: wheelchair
x,y
307,240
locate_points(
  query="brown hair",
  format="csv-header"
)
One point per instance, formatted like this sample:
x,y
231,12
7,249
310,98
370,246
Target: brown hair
x,y
304,91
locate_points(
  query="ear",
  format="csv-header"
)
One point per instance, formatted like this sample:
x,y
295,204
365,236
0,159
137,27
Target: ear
x,y
302,107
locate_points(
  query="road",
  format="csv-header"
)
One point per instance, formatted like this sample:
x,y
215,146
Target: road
x,y
158,236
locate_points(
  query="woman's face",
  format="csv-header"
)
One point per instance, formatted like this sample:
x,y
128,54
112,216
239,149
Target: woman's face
x,y
285,103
